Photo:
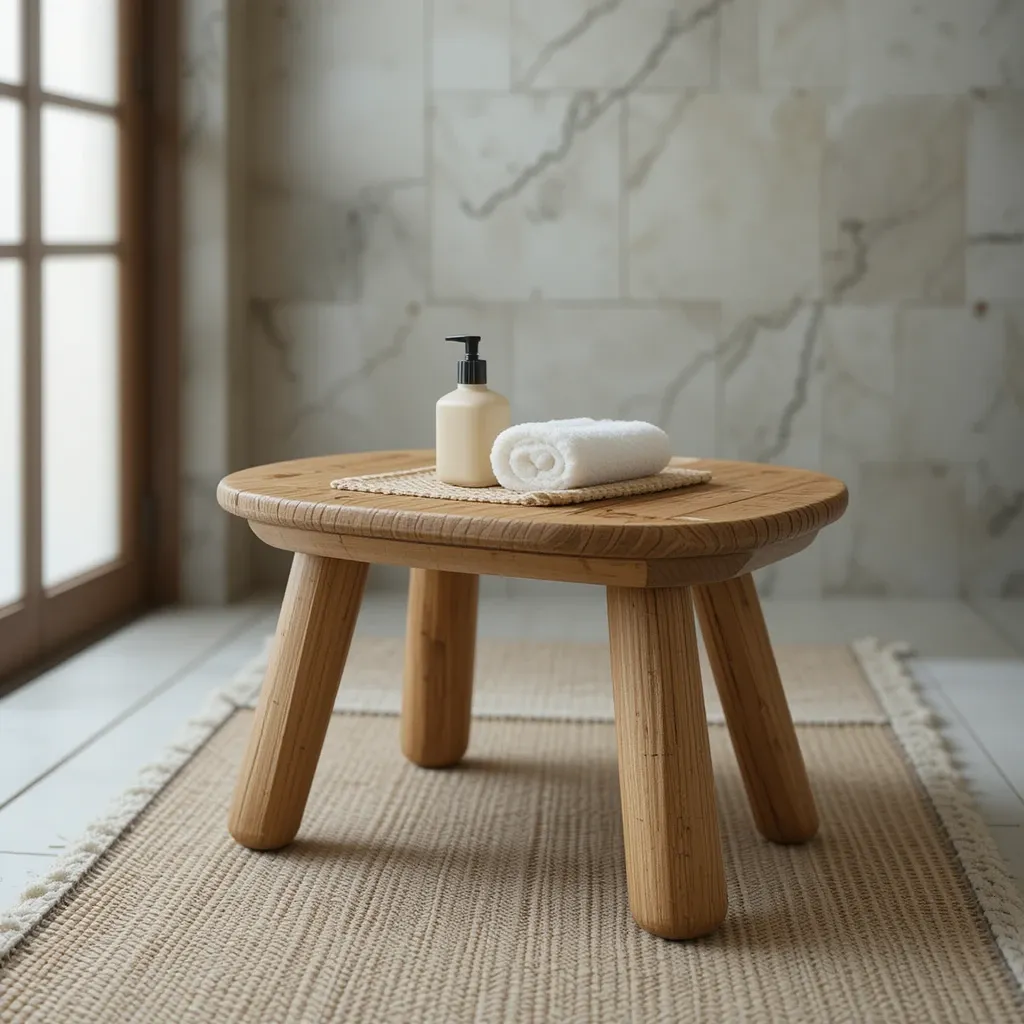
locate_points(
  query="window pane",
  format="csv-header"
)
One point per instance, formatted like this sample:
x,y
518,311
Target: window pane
x,y
81,415
10,171
79,176
79,48
10,40
11,536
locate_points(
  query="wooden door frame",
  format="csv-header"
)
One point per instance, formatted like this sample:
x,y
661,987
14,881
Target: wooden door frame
x,y
45,624
162,48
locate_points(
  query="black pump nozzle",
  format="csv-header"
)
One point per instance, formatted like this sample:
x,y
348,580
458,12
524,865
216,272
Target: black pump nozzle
x,y
472,369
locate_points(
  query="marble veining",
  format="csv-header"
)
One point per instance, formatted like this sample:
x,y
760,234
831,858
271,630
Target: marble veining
x,y
672,385
338,249
526,77
587,106
995,196
327,401
894,199
942,47
619,45
703,147
784,230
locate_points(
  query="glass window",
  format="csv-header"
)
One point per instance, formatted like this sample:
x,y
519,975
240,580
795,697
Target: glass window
x,y
10,41
70,66
79,176
11,434
81,418
11,160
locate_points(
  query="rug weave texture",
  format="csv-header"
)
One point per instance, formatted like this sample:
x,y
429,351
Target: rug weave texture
x,y
496,891
573,682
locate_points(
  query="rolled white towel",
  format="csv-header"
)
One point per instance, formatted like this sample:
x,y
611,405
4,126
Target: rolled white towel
x,y
562,454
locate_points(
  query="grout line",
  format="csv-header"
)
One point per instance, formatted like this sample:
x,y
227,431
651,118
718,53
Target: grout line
x,y
68,869
569,91
175,677
996,626
511,37
623,247
1014,862
428,148
931,759
665,305
936,689
715,71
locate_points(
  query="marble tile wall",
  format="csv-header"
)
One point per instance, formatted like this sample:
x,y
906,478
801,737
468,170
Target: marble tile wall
x,y
785,230
215,549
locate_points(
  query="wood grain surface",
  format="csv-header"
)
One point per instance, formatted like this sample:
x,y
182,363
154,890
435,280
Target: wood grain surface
x,y
674,867
318,617
745,507
440,644
611,572
756,710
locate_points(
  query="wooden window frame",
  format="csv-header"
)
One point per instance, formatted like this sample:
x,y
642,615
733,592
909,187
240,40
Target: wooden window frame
x,y
47,622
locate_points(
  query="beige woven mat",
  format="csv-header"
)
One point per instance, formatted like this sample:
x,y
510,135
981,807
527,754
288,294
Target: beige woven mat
x,y
573,681
496,892
423,483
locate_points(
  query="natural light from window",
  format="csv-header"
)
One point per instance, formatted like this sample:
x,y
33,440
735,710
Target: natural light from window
x,y
70,68
10,432
81,443
10,172
60,316
79,177
10,41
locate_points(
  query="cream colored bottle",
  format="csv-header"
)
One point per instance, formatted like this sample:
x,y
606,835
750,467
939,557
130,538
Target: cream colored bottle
x,y
468,420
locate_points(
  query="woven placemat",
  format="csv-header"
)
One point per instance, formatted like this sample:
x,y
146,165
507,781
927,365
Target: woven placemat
x,y
423,483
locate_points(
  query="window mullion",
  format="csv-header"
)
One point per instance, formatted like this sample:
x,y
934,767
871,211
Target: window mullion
x,y
33,316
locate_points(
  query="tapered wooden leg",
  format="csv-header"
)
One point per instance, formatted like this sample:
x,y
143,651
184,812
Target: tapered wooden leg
x,y
673,849
314,631
756,710
440,644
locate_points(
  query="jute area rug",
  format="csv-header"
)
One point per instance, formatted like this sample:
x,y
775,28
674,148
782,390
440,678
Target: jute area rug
x,y
496,891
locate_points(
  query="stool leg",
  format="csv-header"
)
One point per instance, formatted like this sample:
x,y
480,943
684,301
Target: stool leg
x,y
440,644
314,631
669,820
756,710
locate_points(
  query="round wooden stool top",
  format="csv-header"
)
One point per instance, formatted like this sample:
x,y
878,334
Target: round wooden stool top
x,y
748,516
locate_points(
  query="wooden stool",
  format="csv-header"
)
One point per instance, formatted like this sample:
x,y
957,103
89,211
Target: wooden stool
x,y
656,554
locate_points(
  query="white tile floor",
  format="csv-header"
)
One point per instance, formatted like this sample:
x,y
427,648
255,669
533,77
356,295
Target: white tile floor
x,y
74,738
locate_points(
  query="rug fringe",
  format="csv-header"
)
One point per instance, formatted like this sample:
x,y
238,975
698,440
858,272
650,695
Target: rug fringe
x,y
915,725
45,893
917,728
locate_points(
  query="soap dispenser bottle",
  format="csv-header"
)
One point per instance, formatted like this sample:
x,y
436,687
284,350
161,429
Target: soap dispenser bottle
x,y
468,420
